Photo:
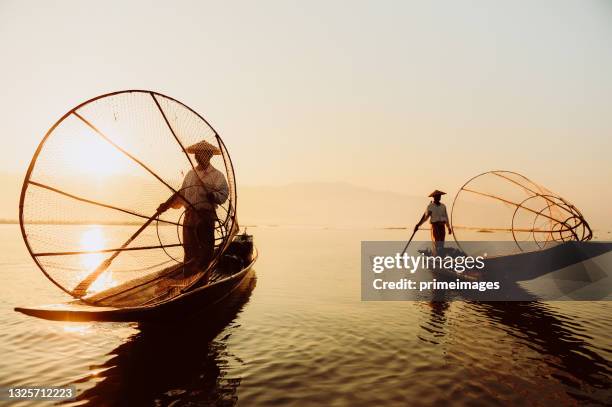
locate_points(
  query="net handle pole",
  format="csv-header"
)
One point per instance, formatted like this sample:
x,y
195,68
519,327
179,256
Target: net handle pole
x,y
82,287
130,156
161,111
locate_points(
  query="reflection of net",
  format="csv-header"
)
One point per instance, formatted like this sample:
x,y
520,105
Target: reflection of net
x,y
99,175
508,206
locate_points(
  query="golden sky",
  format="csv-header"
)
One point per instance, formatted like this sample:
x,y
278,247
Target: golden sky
x,y
399,96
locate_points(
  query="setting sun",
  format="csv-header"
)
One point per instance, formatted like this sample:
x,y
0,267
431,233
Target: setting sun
x,y
85,152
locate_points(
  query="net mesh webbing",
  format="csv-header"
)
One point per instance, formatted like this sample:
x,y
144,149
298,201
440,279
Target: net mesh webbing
x,y
505,205
99,175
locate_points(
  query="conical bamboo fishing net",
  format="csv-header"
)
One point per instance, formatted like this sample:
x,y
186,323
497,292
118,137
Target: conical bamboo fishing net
x,y
96,180
506,206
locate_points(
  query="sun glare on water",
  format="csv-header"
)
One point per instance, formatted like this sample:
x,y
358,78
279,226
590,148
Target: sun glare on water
x,y
91,240
77,328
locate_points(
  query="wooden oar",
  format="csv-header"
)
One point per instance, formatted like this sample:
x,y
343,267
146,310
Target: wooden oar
x,y
81,289
416,228
410,240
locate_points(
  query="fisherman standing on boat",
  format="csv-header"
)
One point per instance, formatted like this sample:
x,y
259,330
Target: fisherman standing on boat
x,y
204,189
438,218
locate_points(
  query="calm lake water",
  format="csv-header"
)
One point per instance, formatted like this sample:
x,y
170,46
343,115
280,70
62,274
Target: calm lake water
x,y
298,334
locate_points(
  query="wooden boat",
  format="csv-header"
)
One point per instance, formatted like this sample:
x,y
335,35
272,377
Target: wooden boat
x,y
125,159
528,265
532,233
227,276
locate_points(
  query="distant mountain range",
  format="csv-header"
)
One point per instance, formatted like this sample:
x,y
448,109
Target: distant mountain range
x,y
9,204
315,204
309,204
327,204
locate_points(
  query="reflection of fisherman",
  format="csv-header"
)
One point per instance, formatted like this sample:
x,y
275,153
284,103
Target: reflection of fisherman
x,y
438,217
204,189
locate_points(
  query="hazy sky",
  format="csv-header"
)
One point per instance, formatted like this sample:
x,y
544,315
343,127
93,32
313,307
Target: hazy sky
x,y
402,96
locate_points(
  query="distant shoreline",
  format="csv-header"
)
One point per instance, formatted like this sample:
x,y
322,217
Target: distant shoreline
x,y
599,232
84,222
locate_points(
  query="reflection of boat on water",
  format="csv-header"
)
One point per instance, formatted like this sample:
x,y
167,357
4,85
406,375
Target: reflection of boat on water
x,y
164,363
119,157
562,344
557,348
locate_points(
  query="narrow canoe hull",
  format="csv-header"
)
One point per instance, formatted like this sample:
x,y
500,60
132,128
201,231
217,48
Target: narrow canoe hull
x,y
195,301
549,274
531,265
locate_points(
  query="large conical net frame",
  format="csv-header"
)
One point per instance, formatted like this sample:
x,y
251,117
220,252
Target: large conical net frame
x,y
505,205
88,207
